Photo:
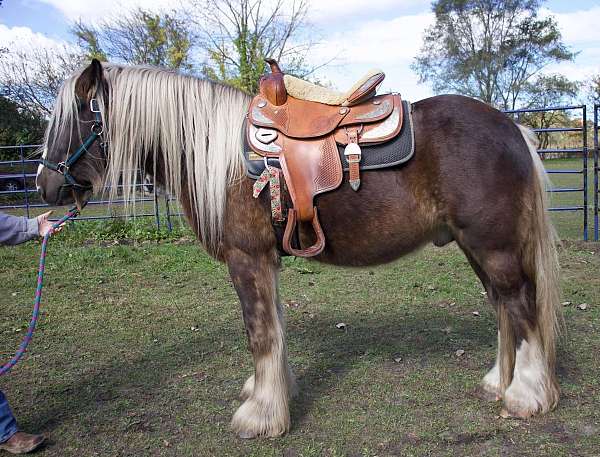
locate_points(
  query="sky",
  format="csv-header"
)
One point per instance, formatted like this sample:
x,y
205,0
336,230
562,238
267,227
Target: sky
x,y
365,34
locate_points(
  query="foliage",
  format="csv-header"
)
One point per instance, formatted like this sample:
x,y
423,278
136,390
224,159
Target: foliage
x,y
547,91
593,89
140,37
18,126
236,36
488,49
31,77
119,229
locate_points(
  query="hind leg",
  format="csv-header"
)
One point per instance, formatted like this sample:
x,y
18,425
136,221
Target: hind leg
x,y
524,373
490,385
527,381
534,388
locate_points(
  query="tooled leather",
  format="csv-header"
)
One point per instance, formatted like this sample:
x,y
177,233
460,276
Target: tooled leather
x,y
342,138
310,167
311,119
330,168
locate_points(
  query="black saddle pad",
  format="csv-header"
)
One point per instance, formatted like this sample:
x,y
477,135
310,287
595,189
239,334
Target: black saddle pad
x,y
389,154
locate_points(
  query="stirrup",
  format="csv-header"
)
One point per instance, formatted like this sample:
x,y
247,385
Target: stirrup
x,y
311,251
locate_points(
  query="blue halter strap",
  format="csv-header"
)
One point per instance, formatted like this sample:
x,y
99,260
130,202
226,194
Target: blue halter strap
x,y
63,167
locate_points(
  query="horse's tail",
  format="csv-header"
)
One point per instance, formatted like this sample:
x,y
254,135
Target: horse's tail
x,y
541,257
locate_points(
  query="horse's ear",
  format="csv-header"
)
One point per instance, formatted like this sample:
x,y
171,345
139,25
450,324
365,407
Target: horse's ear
x,y
89,81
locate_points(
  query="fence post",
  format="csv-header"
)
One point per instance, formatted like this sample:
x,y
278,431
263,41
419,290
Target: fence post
x,y
585,175
596,171
168,209
156,208
25,186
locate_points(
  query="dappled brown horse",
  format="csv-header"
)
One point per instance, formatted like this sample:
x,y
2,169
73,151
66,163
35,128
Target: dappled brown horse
x,y
475,179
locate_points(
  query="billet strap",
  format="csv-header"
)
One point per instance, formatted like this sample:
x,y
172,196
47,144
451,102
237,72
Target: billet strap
x,y
290,228
353,156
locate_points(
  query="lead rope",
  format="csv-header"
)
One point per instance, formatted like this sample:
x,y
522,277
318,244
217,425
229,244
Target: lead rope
x,y
72,213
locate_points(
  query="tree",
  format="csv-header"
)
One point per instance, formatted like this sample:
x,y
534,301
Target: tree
x,y
236,36
18,127
547,91
31,76
488,49
139,37
593,89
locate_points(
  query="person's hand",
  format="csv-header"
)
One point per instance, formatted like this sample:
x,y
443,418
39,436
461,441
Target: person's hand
x,y
44,225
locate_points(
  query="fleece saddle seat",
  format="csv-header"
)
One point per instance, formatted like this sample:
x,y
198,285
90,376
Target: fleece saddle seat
x,y
303,134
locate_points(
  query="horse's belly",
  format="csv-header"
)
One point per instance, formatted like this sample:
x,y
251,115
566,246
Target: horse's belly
x,y
384,220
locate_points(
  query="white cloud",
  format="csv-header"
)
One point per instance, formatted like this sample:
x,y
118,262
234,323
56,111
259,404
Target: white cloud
x,y
379,42
390,45
578,26
581,32
332,11
25,38
96,10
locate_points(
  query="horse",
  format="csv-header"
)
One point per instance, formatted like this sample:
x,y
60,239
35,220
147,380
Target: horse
x,y
475,179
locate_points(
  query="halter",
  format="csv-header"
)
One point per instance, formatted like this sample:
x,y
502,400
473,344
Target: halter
x,y
63,167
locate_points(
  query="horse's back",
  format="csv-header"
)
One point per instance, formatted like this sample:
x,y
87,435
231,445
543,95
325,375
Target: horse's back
x,y
470,162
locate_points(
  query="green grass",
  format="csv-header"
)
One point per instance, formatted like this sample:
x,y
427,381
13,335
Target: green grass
x,y
115,367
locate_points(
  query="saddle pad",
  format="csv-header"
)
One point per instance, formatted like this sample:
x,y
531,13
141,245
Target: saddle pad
x,y
391,153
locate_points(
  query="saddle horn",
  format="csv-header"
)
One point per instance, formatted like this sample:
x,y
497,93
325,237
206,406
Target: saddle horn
x,y
274,65
272,86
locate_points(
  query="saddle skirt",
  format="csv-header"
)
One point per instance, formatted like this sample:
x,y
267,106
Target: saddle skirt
x,y
304,137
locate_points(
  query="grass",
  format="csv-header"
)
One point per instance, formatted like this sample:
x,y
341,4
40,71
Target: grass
x,y
141,351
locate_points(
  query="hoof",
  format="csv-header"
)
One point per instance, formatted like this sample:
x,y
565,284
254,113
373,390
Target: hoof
x,y
260,419
246,435
486,393
506,414
490,386
522,400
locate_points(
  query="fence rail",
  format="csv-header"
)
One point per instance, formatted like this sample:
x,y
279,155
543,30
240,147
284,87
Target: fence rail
x,y
20,171
23,173
582,151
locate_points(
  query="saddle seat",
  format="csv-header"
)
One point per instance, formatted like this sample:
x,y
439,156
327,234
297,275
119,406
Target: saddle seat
x,y
302,126
277,85
362,90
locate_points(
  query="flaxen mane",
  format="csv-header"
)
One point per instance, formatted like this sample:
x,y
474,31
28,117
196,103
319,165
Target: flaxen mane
x,y
194,124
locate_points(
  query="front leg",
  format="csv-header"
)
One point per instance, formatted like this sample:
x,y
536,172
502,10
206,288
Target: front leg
x,y
266,409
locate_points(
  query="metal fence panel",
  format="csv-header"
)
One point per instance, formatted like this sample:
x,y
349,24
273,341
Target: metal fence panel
x,y
582,151
22,170
27,154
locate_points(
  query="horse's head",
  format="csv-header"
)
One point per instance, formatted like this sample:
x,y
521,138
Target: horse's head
x,y
74,157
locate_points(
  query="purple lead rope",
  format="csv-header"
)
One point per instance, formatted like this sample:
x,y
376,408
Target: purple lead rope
x,y
74,212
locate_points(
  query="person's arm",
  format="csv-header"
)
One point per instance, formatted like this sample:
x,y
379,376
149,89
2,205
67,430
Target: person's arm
x,y
16,230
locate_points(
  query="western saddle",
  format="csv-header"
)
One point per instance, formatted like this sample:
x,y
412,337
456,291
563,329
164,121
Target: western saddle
x,y
302,124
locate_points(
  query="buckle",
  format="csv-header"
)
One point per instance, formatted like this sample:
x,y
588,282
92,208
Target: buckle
x,y
62,168
352,149
94,106
97,128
